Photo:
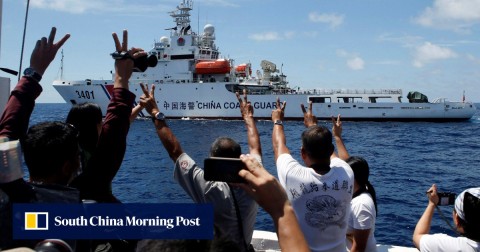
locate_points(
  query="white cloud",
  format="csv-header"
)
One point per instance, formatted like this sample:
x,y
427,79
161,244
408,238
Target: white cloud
x,y
456,15
95,6
333,20
269,36
354,62
429,52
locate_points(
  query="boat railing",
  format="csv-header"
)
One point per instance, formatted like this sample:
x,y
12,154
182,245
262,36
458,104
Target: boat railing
x,y
350,91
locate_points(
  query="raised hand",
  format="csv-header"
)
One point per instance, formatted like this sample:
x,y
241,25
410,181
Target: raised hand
x,y
337,127
147,100
245,106
45,51
432,195
308,118
124,67
279,112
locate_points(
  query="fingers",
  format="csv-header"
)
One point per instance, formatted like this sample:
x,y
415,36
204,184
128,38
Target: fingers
x,y
152,92
51,38
118,47
303,108
245,95
238,97
62,41
43,42
247,175
37,45
125,41
144,89
338,119
281,105
137,52
310,107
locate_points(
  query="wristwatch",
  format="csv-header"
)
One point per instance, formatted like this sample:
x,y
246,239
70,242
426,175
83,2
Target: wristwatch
x,y
159,116
31,73
278,122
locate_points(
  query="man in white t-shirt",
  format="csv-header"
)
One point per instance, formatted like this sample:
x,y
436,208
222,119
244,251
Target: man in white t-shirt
x,y
320,190
466,216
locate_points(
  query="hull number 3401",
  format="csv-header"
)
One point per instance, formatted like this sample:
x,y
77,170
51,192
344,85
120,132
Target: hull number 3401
x,y
85,94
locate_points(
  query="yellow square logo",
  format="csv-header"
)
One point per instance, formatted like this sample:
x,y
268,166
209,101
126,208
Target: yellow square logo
x,y
36,220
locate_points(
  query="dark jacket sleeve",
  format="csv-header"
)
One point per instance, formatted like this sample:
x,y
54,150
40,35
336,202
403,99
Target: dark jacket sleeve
x,y
95,181
15,118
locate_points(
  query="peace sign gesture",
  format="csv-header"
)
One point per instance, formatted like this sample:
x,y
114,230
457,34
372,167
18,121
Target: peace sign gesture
x,y
279,111
147,100
124,67
337,126
245,106
308,118
45,51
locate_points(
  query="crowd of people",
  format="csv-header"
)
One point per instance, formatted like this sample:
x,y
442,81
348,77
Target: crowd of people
x,y
323,203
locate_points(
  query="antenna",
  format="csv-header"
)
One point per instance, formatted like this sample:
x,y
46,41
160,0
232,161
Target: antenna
x,y
23,41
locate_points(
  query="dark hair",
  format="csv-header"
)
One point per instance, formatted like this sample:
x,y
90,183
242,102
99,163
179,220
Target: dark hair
x,y
471,224
225,147
361,172
85,117
317,142
47,147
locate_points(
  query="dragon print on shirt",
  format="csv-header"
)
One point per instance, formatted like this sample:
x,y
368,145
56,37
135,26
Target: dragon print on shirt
x,y
324,211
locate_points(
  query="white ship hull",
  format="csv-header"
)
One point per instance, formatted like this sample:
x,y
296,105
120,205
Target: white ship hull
x,y
214,101
193,81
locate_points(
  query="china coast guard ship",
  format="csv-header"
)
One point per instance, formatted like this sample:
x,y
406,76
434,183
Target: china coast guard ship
x,y
194,81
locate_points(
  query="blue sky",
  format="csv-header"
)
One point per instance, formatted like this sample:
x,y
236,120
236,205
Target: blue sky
x,y
431,46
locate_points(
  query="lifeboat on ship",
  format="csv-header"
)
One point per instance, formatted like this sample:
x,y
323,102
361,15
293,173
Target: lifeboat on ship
x,y
243,70
219,66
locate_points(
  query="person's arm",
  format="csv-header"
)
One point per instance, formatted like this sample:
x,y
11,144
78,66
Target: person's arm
x,y
278,135
337,135
135,111
95,181
269,194
360,238
424,223
246,110
169,140
15,118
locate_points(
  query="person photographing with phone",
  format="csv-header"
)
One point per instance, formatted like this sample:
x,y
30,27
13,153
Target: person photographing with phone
x,y
466,216
234,210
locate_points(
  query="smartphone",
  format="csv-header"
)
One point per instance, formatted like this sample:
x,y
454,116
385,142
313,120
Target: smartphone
x,y
446,198
223,169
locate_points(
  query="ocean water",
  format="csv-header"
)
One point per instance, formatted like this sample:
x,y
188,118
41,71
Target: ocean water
x,y
405,160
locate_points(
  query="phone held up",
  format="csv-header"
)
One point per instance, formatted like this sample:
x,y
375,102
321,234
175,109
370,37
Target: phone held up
x,y
446,198
223,169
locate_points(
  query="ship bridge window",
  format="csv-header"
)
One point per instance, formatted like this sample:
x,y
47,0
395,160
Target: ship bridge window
x,y
319,99
372,99
349,99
